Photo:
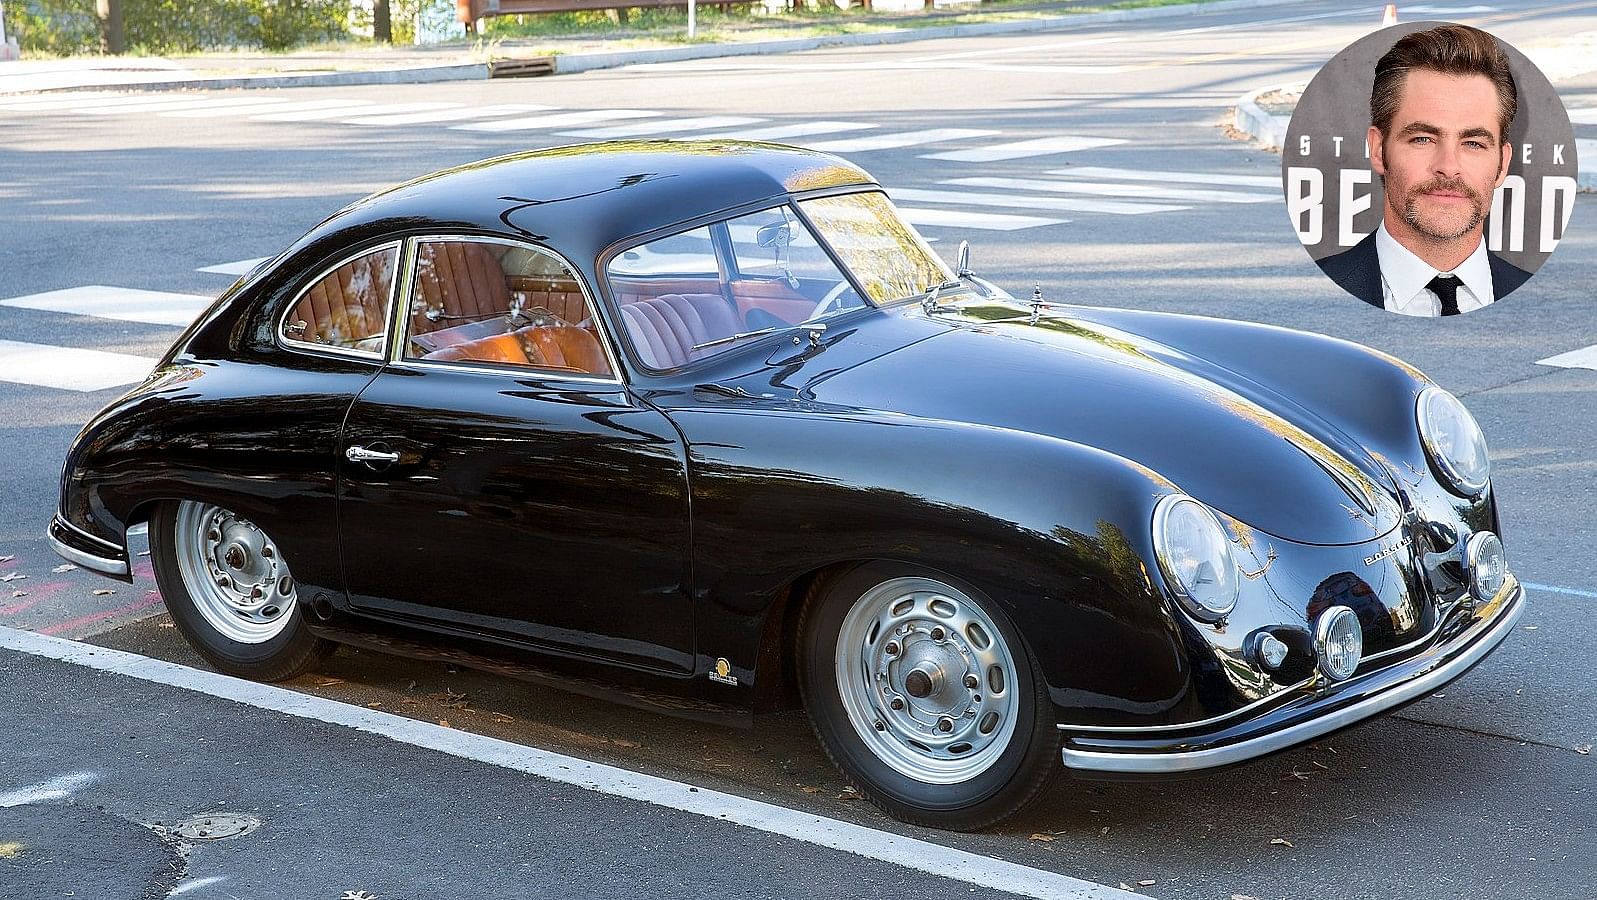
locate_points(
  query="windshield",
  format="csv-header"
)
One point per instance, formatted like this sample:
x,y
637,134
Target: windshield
x,y
888,259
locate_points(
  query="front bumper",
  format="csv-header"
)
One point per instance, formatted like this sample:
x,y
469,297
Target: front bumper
x,y
1313,713
80,547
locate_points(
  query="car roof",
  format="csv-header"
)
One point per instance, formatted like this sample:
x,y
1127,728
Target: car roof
x,y
583,198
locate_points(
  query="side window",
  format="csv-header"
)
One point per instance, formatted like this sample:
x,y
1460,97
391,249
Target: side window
x,y
487,302
348,308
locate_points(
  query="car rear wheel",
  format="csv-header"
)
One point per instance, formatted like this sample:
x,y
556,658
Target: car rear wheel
x,y
230,592
923,693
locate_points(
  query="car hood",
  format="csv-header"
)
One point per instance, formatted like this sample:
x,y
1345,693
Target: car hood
x,y
1246,449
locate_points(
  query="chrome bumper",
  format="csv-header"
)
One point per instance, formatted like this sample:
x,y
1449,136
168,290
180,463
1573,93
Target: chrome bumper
x,y
78,546
1304,720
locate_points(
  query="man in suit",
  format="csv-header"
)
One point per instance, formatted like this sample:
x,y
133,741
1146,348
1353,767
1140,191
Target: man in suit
x,y
1440,109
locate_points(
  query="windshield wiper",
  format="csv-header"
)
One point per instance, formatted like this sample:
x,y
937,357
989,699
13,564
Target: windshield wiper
x,y
739,336
928,300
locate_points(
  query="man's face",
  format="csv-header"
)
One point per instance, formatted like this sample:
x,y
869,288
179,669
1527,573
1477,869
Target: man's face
x,y
1442,156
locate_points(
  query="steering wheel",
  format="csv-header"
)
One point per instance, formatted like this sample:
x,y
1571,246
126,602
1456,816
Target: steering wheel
x,y
833,299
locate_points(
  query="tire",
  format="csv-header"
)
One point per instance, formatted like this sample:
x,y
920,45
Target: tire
x,y
972,740
207,562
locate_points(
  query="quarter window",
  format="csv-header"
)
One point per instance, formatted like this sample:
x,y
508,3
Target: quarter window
x,y
476,301
347,309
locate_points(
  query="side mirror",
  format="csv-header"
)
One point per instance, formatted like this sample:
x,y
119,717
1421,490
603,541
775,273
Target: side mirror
x,y
962,265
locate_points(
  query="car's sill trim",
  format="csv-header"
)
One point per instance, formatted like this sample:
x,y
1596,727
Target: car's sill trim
x,y
1486,636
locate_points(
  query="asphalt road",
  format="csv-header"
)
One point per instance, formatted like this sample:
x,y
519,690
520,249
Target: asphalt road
x,y
1479,792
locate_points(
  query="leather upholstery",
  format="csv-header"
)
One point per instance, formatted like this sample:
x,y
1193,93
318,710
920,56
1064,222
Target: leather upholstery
x,y
457,278
350,304
539,346
664,330
559,296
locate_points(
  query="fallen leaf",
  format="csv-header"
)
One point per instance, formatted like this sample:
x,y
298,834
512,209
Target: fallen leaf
x,y
501,717
1045,838
64,567
328,682
102,592
374,704
849,793
408,700
1147,882
809,790
1126,887
6,559
12,576
445,723
1532,627
1282,841
412,686
1242,897
19,593
1583,749
11,850
629,745
1321,765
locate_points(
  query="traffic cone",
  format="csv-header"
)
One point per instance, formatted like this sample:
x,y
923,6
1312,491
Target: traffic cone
x,y
1389,18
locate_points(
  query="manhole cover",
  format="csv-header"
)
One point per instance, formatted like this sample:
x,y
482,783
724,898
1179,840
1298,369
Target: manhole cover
x,y
215,826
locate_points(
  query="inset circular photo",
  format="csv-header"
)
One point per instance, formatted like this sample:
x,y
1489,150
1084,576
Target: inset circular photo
x,y
1429,169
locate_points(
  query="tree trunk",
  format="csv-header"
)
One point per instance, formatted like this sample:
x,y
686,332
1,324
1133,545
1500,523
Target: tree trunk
x,y
382,22
112,37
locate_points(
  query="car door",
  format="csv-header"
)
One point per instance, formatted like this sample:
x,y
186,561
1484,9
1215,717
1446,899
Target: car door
x,y
499,478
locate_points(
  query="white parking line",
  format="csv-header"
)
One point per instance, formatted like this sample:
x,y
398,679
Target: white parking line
x,y
123,304
59,788
959,218
560,120
1020,149
1024,201
1118,190
899,139
68,368
234,268
803,129
1573,592
982,872
1108,172
664,126
1584,358
448,115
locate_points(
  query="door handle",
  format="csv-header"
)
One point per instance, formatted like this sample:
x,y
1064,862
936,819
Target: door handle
x,y
370,455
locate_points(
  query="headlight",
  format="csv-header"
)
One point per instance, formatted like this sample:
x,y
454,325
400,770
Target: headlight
x,y
1195,555
1486,565
1339,642
1455,443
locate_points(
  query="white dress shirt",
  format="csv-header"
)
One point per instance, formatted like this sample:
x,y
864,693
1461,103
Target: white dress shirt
x,y
1404,277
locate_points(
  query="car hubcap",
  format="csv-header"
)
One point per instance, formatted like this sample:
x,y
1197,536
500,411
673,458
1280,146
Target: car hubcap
x,y
927,680
233,572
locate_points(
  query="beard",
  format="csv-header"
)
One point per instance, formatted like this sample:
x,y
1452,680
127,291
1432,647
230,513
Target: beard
x,y
1444,225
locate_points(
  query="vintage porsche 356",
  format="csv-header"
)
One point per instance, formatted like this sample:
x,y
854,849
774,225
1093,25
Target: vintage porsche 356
x,y
707,427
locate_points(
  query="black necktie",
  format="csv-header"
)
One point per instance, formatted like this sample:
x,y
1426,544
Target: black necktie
x,y
1445,287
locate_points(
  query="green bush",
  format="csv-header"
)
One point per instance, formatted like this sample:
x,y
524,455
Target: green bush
x,y
178,26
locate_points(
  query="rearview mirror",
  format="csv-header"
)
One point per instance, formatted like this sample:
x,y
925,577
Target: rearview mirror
x,y
777,234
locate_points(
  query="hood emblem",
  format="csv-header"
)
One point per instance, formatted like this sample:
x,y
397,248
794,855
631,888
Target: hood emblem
x,y
1383,554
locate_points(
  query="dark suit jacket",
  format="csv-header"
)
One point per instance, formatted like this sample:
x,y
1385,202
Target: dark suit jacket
x,y
1358,271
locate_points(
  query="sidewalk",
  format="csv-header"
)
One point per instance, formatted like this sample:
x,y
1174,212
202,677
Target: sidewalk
x,y
560,56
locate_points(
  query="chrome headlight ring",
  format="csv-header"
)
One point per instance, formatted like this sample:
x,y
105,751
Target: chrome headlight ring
x,y
1453,441
1194,553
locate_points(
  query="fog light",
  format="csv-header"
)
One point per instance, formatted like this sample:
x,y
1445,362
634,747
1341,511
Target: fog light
x,y
1272,652
1486,565
1339,642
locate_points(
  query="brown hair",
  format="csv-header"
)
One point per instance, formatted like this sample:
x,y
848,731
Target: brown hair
x,y
1450,50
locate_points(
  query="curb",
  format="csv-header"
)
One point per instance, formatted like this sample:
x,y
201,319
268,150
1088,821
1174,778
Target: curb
x,y
1251,119
586,62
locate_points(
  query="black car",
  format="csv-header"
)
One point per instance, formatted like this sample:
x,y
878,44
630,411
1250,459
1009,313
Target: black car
x,y
707,427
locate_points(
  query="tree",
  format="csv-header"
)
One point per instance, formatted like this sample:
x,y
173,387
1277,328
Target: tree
x,y
382,22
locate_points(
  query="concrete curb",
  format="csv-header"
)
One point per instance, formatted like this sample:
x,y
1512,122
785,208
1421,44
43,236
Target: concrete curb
x,y
1251,119
586,62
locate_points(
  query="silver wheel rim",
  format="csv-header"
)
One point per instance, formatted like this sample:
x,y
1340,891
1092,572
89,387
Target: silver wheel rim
x,y
927,680
233,573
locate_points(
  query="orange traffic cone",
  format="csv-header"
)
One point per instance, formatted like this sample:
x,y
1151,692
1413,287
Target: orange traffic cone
x,y
1390,16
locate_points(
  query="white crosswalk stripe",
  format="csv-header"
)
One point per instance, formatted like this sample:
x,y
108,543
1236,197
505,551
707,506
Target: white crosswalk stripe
x,y
54,102
353,107
123,304
275,106
70,369
156,105
1025,201
955,218
663,126
1021,149
788,132
1584,358
899,139
1102,172
239,267
447,115
1117,190
560,120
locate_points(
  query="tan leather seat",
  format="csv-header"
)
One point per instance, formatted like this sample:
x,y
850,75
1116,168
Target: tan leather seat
x,y
457,278
349,305
664,330
563,347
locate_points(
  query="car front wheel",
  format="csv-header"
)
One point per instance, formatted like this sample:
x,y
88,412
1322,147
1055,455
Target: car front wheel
x,y
230,592
923,693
